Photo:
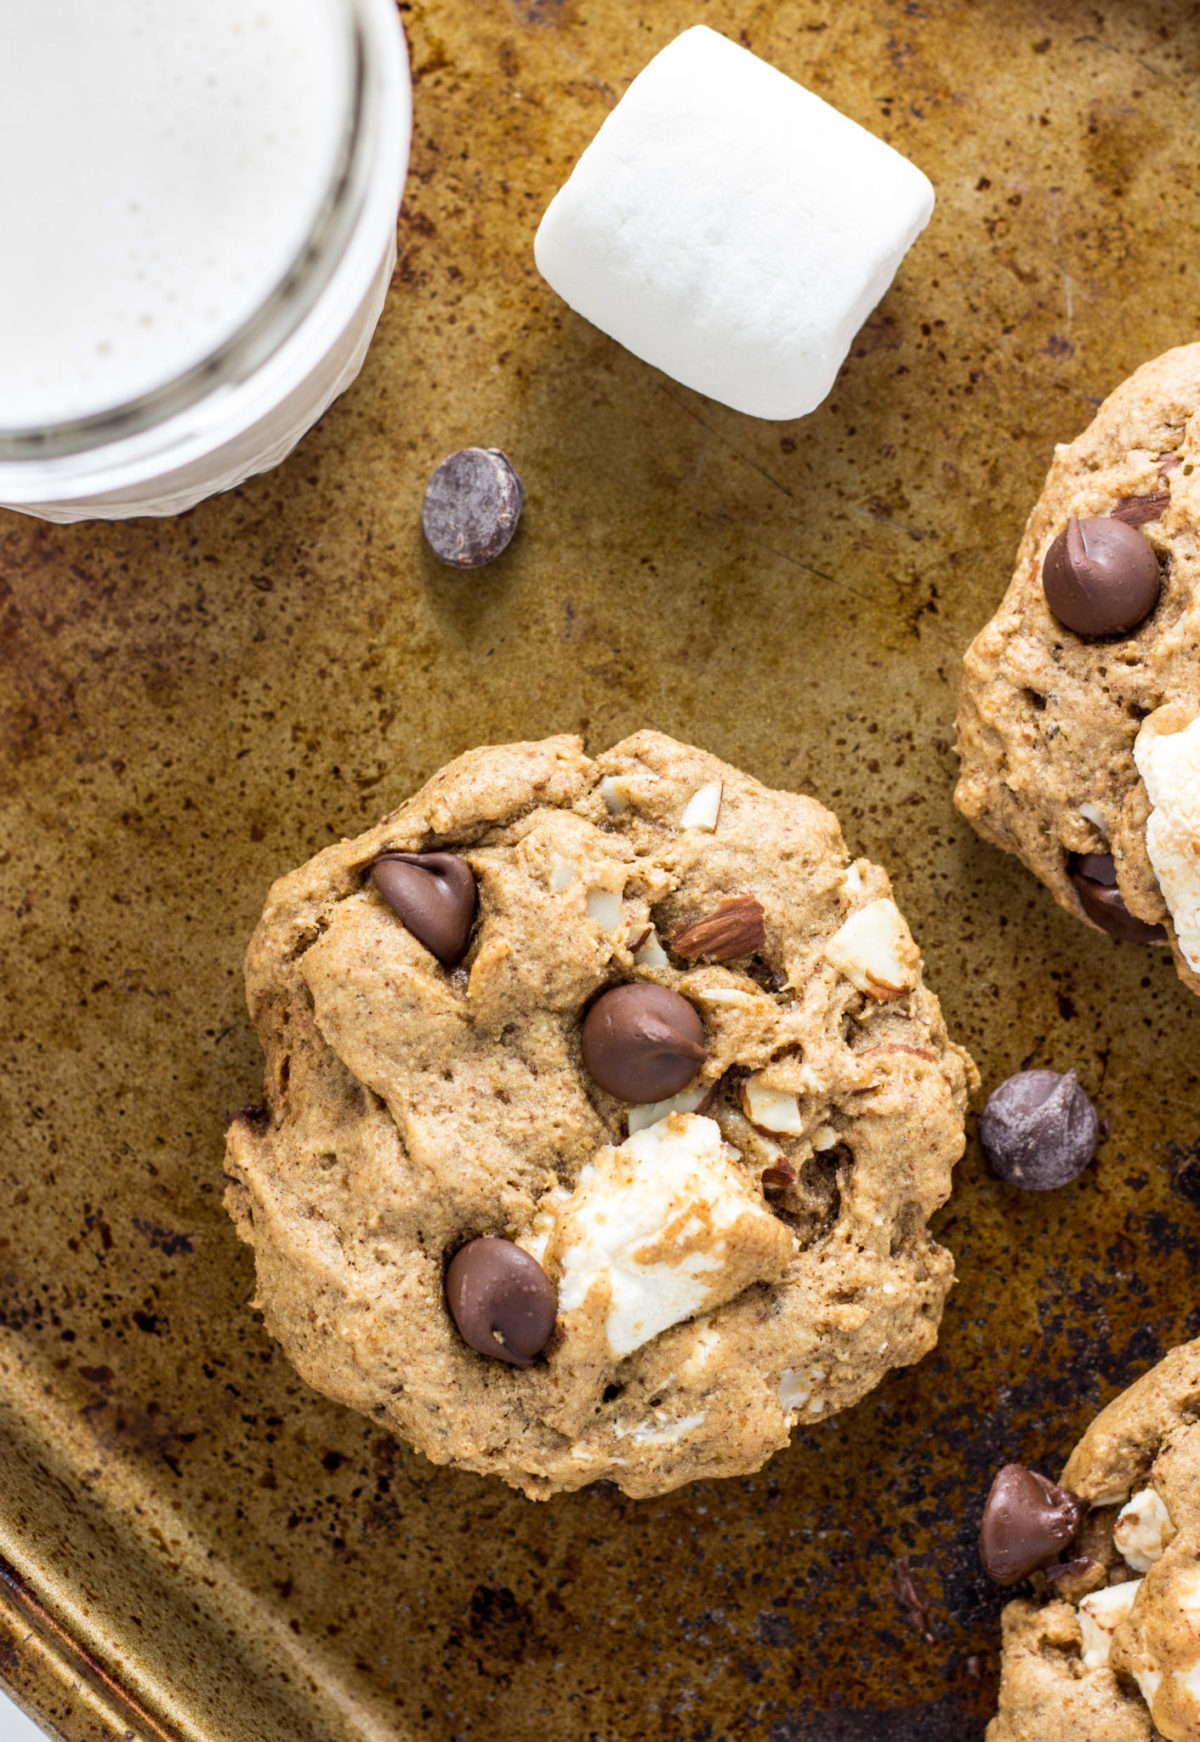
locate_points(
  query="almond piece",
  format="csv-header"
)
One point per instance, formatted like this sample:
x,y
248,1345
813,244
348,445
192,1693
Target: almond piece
x,y
734,928
874,949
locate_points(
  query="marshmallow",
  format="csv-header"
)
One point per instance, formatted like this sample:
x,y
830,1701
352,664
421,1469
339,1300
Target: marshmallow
x,y
1100,1614
1143,1530
663,1228
1169,763
731,228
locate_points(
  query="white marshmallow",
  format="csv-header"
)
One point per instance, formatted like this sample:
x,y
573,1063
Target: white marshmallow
x,y
730,227
1169,763
1143,1530
664,1227
1100,1614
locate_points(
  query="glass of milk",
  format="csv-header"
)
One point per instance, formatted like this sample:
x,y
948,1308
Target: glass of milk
x,y
197,232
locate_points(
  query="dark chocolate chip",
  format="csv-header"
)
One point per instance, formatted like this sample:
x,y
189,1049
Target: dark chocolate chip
x,y
1027,1522
1101,577
1141,510
1039,1130
1095,878
434,895
643,1042
501,1299
472,505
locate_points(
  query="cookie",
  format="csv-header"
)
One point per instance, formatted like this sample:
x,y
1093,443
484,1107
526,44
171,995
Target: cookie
x,y
1079,697
1109,1651
605,1112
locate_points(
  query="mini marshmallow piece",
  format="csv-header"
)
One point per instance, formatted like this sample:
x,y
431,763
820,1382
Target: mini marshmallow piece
x,y
658,1230
730,227
1100,1614
703,808
1169,763
770,1109
1143,1530
874,949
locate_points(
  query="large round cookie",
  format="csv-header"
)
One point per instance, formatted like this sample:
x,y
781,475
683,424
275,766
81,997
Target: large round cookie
x,y
774,1261
1050,720
1116,1658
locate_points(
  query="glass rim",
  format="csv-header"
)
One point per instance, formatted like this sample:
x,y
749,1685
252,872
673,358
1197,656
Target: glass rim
x,y
264,331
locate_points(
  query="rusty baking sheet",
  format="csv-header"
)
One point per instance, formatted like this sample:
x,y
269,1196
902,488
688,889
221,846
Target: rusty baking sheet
x,y
194,1545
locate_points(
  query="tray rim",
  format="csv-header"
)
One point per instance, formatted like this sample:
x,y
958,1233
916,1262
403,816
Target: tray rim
x,y
53,1675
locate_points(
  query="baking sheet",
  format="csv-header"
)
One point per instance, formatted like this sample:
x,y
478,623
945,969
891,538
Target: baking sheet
x,y
195,1545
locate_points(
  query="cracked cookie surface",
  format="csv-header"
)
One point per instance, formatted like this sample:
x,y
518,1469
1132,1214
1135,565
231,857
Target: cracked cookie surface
x,y
751,1253
1116,1657
1049,719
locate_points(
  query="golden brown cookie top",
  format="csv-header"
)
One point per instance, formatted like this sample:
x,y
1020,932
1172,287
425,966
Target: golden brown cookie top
x,y
1122,1654
1050,714
747,1251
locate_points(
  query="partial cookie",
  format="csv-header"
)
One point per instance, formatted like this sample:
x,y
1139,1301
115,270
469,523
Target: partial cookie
x,y
605,1112
1081,696
1109,1650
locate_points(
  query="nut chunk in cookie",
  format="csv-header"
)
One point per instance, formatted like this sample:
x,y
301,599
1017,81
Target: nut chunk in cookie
x,y
1110,1643
1079,723
605,1112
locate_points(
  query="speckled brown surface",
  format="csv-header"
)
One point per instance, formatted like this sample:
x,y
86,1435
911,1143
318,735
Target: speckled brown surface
x,y
187,709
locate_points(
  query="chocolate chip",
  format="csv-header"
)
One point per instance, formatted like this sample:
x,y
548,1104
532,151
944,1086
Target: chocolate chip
x,y
501,1299
1095,878
1039,1130
472,505
643,1042
1027,1522
1100,577
1141,510
434,895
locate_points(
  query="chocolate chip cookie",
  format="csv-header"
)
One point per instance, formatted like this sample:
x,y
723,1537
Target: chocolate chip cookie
x,y
1078,727
605,1112
1109,1648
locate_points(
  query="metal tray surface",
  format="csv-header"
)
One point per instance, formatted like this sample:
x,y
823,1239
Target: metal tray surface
x,y
194,1546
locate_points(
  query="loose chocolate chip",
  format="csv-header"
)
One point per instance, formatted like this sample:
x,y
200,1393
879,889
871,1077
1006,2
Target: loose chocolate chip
x,y
1141,510
1095,878
643,1042
1039,1130
434,895
1100,577
472,505
501,1299
1027,1522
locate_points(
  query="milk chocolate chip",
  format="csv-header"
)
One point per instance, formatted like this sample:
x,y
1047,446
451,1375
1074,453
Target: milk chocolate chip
x,y
1027,1522
472,505
1095,878
434,895
643,1042
502,1301
1100,577
1039,1130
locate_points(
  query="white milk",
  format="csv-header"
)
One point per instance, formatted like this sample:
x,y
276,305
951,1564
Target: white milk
x,y
164,163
